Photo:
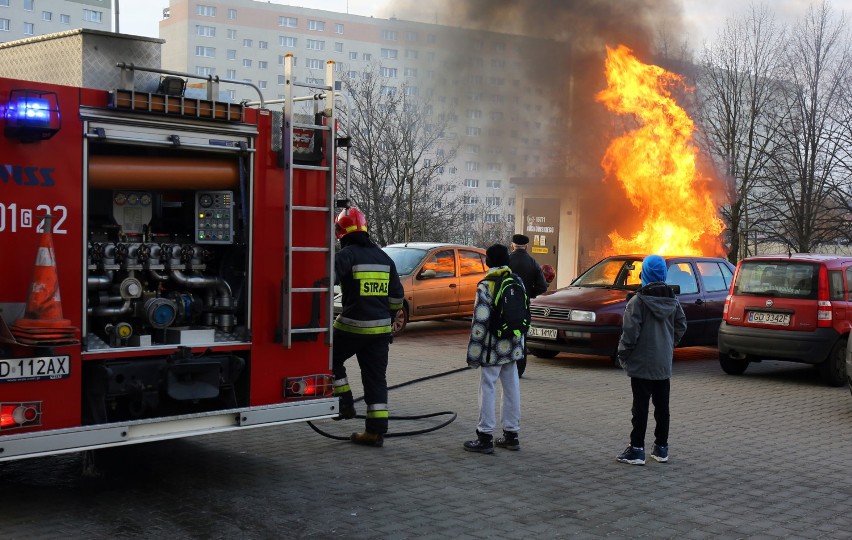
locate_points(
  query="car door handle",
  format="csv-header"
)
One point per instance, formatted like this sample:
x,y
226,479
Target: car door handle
x,y
453,285
699,302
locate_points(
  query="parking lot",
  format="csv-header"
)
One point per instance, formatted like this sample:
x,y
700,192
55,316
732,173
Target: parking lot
x,y
764,455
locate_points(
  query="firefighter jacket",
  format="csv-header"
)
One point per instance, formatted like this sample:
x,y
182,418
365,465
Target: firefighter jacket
x,y
372,292
484,348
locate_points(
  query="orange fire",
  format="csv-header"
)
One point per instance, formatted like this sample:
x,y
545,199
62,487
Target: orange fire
x,y
656,163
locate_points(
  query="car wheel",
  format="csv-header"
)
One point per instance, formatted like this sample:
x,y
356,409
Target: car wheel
x,y
542,353
833,368
400,320
732,366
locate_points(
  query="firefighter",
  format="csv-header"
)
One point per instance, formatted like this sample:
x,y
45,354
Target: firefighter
x,y
372,294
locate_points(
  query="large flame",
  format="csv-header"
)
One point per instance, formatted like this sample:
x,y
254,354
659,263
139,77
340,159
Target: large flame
x,y
656,163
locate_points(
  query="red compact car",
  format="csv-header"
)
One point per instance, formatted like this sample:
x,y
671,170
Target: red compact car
x,y
585,317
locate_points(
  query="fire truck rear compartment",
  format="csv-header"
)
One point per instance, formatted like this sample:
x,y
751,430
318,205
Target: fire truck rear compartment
x,y
166,255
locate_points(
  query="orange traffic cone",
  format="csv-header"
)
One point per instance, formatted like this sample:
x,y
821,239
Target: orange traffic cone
x,y
42,323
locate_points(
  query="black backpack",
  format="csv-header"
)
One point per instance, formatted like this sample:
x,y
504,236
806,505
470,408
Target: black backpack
x,y
510,310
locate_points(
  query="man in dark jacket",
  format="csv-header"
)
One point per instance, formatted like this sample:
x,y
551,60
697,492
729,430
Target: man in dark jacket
x,y
652,327
372,294
530,272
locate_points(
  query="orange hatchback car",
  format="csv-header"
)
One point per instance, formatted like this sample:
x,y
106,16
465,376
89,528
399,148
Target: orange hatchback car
x,y
796,308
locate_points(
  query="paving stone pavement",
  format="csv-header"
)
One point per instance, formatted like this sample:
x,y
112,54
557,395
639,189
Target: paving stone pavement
x,y
764,455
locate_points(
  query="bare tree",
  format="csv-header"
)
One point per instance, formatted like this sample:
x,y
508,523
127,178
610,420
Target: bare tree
x,y
738,86
802,187
486,225
398,150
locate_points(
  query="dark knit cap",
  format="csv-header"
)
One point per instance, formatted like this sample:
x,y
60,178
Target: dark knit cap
x,y
520,240
497,255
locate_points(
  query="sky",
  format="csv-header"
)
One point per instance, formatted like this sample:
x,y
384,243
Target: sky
x,y
703,17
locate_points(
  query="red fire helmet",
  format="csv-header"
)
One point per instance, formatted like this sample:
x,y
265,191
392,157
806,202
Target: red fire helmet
x,y
549,272
349,220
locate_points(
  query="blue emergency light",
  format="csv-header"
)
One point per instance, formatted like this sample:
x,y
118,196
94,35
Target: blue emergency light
x,y
31,115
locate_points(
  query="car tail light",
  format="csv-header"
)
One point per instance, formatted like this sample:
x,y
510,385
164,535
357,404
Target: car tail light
x,y
725,309
17,415
309,386
823,303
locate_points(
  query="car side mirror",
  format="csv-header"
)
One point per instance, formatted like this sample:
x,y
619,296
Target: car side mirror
x,y
427,274
675,288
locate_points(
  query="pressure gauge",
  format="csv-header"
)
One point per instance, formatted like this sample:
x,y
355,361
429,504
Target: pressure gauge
x,y
133,199
119,198
145,199
205,201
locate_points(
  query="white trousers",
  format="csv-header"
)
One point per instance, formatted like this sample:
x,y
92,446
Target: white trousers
x,y
511,406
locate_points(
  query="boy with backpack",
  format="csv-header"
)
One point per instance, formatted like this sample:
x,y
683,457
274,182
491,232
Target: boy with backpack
x,y
500,321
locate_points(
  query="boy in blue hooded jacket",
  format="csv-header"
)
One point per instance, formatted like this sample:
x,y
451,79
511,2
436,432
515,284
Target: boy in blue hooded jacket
x,y
653,324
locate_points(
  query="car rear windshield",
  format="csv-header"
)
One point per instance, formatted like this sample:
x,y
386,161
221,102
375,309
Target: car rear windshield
x,y
405,259
621,273
784,279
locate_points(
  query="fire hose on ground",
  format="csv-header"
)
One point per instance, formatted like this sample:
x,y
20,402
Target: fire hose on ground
x,y
413,417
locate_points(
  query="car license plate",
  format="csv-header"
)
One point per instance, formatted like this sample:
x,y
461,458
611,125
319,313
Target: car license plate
x,y
34,369
762,317
544,333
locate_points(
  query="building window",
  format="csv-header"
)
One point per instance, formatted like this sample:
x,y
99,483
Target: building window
x,y
353,55
494,184
316,45
205,11
366,57
231,54
470,218
470,200
232,14
91,15
205,71
46,16
232,34
338,47
29,28
493,201
388,90
28,5
4,3
65,19
410,72
232,95
495,166
492,218
411,53
311,80
286,41
473,149
205,31
474,131
262,64
352,75
388,72
281,79
261,85
231,74
262,44
248,42
209,52
319,26
313,63
390,54
471,165
388,35
246,62
289,22
338,28
411,36
510,218
471,183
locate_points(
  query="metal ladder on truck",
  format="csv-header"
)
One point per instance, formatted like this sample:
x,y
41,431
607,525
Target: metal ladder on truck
x,y
323,92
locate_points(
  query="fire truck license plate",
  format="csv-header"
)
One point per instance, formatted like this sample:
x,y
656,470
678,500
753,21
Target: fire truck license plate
x,y
34,369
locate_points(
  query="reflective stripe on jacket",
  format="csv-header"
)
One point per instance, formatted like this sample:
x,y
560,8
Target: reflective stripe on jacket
x,y
371,289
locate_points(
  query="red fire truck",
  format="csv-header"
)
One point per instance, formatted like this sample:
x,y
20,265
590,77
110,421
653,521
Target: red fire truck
x,y
191,239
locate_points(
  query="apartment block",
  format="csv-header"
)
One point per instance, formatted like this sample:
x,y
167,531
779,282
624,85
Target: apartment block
x,y
497,119
21,19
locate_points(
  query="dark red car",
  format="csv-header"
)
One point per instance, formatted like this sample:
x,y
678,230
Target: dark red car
x,y
585,317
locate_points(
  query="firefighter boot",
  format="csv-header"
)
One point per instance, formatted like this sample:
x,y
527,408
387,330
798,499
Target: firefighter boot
x,y
346,406
509,441
484,443
365,438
